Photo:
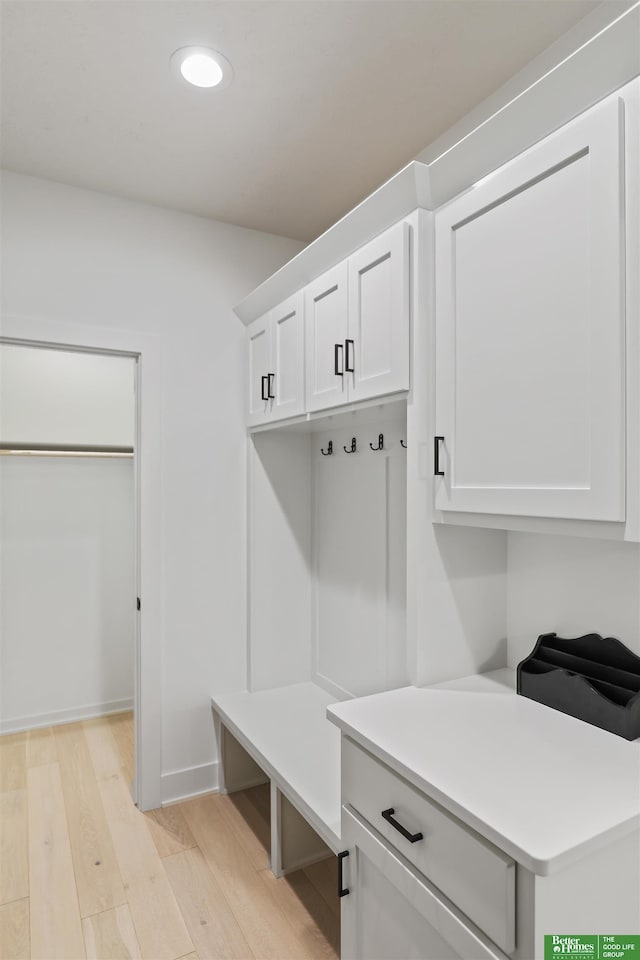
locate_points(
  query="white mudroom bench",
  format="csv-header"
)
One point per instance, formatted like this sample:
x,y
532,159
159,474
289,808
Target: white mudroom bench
x,y
282,736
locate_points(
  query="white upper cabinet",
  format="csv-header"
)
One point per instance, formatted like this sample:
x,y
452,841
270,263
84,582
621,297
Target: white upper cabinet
x,y
276,363
326,334
357,318
287,346
259,334
378,338
530,347
342,339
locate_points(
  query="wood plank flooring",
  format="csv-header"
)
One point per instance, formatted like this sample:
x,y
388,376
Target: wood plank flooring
x,y
84,874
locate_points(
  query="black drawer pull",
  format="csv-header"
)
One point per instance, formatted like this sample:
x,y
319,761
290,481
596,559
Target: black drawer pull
x,y
270,394
342,891
337,360
411,837
264,387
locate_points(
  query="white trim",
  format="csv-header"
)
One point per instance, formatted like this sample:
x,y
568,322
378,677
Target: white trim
x,y
601,20
191,782
318,421
38,720
59,332
391,202
334,689
600,67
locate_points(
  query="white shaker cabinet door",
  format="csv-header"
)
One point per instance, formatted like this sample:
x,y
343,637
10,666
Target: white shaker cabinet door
x,y
530,331
392,913
326,331
287,334
377,349
260,384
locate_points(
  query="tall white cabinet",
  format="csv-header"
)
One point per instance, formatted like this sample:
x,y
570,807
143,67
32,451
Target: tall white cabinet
x,y
530,333
328,384
327,483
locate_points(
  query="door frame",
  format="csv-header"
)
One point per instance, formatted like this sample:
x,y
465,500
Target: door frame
x,y
145,349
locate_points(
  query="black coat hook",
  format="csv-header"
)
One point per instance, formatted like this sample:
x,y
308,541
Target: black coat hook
x,y
328,451
403,444
380,442
352,448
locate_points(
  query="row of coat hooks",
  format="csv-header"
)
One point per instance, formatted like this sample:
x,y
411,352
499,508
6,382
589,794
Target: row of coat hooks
x,y
354,446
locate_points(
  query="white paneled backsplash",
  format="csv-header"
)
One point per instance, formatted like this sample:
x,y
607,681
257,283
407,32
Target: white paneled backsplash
x,y
571,586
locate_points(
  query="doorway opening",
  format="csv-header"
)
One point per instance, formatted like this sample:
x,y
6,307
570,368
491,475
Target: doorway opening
x,y
69,539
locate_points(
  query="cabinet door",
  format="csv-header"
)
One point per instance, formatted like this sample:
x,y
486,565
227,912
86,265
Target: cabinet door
x,y
530,331
287,335
379,316
326,332
259,338
392,913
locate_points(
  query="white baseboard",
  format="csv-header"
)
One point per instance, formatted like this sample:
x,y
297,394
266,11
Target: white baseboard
x,y
330,687
39,720
191,782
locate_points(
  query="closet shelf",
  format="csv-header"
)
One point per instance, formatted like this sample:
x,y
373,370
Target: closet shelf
x,y
592,678
63,450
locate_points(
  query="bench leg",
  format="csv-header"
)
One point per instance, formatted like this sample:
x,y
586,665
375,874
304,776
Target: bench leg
x,y
276,831
294,844
238,770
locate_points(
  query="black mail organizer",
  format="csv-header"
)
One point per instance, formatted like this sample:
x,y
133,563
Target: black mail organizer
x,y
593,678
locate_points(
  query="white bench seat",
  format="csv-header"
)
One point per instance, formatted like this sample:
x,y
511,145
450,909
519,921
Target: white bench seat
x,y
286,733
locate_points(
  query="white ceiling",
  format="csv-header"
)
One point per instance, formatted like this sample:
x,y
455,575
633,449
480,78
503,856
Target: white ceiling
x,y
329,97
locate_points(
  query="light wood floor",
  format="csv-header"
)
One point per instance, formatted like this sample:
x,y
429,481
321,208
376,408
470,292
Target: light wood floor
x,y
84,874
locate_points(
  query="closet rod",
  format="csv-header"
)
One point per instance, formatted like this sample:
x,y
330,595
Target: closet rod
x,y
62,450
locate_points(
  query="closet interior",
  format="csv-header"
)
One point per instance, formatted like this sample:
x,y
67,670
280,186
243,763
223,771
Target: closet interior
x,y
67,534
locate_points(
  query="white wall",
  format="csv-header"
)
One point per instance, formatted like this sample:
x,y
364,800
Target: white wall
x,y
571,586
72,255
67,615
56,396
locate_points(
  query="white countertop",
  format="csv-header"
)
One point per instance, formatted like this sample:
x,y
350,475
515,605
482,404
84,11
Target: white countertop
x,y
544,787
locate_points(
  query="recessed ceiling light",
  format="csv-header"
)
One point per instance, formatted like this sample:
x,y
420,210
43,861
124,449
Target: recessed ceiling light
x,y
202,67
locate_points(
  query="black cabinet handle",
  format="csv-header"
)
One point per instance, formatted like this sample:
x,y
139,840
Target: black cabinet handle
x,y
263,394
270,378
437,472
342,891
411,837
349,364
336,356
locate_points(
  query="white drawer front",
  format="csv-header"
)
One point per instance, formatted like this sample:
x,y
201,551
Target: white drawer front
x,y
391,911
474,874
